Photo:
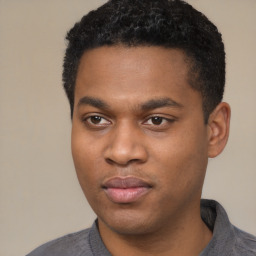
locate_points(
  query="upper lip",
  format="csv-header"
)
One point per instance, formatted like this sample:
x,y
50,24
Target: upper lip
x,y
125,182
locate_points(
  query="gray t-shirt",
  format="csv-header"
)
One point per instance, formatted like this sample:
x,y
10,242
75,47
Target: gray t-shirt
x,y
227,240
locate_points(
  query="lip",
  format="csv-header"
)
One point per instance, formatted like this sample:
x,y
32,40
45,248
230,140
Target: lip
x,y
125,189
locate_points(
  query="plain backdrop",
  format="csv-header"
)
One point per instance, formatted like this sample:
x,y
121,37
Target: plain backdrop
x,y
40,197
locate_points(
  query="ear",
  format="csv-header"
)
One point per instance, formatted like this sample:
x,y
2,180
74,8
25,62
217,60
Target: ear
x,y
218,129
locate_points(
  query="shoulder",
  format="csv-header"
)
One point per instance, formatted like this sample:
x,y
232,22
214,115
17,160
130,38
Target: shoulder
x,y
68,245
245,243
227,239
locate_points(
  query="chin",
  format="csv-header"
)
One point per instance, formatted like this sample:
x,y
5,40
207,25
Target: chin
x,y
129,222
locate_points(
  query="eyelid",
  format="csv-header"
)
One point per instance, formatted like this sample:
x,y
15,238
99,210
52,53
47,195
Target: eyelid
x,y
168,119
86,117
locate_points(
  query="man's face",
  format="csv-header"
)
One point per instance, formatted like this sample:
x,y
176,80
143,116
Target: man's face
x,y
139,141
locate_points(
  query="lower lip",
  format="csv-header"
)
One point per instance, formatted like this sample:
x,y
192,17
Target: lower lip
x,y
126,195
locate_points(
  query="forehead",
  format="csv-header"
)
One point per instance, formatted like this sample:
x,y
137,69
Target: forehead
x,y
133,74
137,60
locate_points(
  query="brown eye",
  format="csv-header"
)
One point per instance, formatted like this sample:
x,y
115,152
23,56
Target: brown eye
x,y
95,119
156,120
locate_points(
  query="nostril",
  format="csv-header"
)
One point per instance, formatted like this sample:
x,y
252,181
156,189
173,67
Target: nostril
x,y
123,149
110,161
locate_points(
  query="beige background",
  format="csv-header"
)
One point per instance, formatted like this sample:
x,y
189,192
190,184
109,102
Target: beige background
x,y
39,194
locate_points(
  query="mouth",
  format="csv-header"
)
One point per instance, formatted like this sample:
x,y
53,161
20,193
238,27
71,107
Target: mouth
x,y
125,189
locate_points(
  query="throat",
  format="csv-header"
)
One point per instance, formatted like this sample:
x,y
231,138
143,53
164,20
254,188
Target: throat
x,y
180,241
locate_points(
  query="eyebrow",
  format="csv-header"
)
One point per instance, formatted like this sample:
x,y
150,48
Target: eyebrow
x,y
95,102
148,105
159,103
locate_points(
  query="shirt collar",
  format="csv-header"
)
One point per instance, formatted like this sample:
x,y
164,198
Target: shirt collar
x,y
214,216
223,239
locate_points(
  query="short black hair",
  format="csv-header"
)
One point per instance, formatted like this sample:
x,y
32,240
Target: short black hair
x,y
165,23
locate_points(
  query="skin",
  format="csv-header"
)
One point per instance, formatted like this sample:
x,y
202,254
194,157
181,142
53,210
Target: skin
x,y
135,115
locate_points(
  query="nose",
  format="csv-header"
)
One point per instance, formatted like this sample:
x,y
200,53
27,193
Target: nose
x,y
125,145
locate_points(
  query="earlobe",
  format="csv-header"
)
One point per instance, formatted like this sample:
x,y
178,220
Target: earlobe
x,y
218,129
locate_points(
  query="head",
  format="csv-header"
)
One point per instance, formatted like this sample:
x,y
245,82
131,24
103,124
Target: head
x,y
168,24
145,81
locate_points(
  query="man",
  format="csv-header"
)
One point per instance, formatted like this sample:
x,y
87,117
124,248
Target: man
x,y
145,82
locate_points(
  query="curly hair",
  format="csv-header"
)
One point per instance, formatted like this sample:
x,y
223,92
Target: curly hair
x,y
165,23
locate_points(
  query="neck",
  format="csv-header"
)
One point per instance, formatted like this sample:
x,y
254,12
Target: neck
x,y
183,236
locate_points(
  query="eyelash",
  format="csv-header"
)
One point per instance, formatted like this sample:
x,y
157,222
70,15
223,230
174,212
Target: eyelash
x,y
88,120
163,121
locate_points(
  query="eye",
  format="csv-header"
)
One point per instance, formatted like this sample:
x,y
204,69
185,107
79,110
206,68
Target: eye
x,y
96,121
156,120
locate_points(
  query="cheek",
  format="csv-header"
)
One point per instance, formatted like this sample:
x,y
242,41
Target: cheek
x,y
87,169
85,159
181,160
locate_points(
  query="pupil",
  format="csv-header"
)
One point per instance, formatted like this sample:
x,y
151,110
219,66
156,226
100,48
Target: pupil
x,y
157,120
95,119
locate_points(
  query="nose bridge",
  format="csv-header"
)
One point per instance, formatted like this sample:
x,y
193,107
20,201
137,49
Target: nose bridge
x,y
125,144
